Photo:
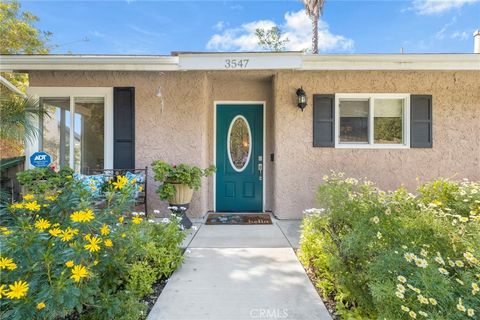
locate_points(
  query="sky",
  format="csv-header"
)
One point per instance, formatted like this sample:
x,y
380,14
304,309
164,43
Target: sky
x,y
160,27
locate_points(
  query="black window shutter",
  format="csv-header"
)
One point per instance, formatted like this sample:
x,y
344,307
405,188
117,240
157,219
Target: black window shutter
x,y
124,128
324,120
421,121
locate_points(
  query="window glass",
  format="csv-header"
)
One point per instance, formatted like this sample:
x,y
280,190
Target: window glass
x,y
388,121
55,128
354,121
239,143
89,134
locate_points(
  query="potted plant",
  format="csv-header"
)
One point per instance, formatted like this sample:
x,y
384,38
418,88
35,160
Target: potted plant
x,y
178,182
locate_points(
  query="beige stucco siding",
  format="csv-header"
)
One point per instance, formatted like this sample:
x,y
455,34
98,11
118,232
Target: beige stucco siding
x,y
176,133
183,130
456,134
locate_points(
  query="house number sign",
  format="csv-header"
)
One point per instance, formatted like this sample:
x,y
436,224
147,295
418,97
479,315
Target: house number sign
x,y
236,63
245,61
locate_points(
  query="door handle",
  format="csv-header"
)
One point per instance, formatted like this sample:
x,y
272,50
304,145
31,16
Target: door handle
x,y
260,171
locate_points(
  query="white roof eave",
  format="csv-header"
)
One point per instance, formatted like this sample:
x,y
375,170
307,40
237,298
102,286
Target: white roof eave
x,y
258,61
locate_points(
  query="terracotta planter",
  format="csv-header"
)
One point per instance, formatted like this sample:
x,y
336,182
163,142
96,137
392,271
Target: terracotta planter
x,y
183,195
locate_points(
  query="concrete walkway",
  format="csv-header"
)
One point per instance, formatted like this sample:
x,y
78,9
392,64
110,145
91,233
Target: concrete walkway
x,y
240,273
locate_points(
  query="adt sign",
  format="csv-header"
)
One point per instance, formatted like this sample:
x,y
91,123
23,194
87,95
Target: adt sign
x,y
40,159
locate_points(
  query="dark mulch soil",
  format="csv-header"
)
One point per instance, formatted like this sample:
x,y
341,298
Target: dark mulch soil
x,y
330,304
152,298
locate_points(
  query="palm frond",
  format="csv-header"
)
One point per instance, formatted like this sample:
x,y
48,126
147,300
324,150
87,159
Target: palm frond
x,y
18,118
313,7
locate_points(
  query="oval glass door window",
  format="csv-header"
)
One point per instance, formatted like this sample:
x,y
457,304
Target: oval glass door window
x,y
239,143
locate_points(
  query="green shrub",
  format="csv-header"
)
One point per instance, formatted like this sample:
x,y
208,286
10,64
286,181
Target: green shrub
x,y
396,255
61,255
141,276
44,180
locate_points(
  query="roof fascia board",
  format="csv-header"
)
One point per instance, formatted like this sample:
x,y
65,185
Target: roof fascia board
x,y
86,62
256,61
392,62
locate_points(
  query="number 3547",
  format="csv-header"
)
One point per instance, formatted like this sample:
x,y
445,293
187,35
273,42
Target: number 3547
x,y
236,63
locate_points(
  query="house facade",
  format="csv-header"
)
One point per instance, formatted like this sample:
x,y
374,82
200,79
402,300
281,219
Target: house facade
x,y
397,119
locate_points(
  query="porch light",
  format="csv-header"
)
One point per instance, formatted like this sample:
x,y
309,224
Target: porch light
x,y
301,98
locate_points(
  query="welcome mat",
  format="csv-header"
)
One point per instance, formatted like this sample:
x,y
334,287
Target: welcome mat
x,y
240,219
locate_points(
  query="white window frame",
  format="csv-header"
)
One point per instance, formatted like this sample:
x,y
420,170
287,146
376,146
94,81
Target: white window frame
x,y
371,98
77,92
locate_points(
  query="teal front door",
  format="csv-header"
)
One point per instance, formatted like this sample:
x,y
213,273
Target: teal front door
x,y
239,158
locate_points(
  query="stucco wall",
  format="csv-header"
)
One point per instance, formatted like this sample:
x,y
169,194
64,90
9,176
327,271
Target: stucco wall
x,y
176,133
183,131
300,167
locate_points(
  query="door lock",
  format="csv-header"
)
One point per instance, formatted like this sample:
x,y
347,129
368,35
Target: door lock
x,y
260,170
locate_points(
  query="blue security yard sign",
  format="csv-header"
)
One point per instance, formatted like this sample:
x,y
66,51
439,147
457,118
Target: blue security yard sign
x,y
40,159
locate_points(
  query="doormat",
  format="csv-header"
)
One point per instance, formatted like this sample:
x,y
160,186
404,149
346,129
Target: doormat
x,y
240,219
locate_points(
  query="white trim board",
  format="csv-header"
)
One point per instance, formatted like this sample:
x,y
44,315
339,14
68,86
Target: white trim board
x,y
235,103
257,61
72,92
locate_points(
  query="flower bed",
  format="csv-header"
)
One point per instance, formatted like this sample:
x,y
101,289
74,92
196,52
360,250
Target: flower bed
x,y
63,257
395,255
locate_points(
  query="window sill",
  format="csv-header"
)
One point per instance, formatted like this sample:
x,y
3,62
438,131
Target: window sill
x,y
371,146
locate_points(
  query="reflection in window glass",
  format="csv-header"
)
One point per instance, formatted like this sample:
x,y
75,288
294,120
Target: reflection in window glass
x,y
55,128
89,134
388,121
239,143
354,121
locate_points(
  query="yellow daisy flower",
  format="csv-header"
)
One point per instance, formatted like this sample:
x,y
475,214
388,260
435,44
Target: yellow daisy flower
x,y
120,183
69,263
79,272
41,305
3,291
108,243
68,234
28,197
18,290
93,244
105,230
55,232
121,219
32,206
42,224
7,263
82,216
136,220
16,206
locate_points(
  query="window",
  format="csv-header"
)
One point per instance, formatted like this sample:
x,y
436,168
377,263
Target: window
x,y
354,121
239,143
372,120
78,131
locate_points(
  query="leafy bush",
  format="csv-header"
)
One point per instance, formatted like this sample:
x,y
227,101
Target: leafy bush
x,y
395,255
61,255
44,180
168,175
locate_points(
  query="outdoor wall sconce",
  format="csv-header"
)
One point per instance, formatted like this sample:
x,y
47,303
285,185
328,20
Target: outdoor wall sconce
x,y
301,98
